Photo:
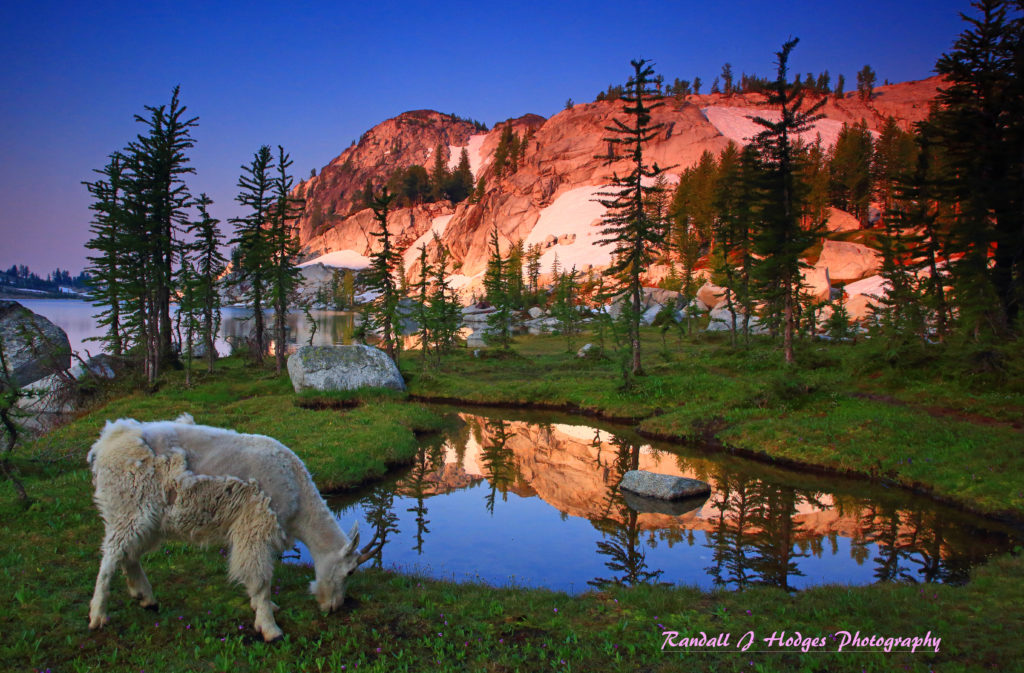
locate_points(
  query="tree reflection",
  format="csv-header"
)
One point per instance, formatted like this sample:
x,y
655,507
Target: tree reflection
x,y
498,461
417,485
620,524
909,546
378,509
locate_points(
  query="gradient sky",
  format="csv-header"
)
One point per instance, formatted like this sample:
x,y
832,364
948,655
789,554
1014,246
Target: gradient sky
x,y
312,76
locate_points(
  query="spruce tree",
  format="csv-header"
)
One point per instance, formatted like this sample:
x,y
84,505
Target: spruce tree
x,y
255,249
284,249
381,278
496,283
209,265
781,240
107,266
445,310
850,166
865,82
627,225
161,164
421,311
979,122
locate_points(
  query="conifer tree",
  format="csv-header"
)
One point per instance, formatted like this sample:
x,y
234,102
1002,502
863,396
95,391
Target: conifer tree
x,y
421,311
781,240
209,265
381,277
160,164
496,283
565,307
865,82
255,249
979,123
107,267
626,223
284,249
850,166
445,310
533,255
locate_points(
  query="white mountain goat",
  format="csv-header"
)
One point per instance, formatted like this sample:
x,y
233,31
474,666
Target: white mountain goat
x,y
175,479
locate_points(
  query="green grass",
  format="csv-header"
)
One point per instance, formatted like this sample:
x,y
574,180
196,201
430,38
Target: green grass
x,y
830,411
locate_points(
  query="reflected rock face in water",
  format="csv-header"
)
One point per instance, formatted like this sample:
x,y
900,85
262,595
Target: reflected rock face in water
x,y
512,494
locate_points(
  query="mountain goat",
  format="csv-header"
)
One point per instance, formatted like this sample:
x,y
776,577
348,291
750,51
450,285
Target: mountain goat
x,y
175,479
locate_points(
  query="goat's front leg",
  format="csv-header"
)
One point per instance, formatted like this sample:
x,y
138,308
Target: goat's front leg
x,y
112,555
259,599
139,587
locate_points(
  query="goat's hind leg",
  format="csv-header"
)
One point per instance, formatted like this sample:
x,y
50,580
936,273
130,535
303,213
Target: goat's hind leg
x,y
139,587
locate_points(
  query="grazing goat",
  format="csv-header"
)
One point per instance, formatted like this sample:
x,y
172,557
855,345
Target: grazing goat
x,y
213,486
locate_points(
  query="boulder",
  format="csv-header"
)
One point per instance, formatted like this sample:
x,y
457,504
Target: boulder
x,y
662,486
711,295
588,351
535,312
645,505
102,366
48,402
33,346
648,316
343,368
840,220
848,261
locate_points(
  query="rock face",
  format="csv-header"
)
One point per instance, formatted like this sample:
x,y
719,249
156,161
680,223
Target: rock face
x,y
550,198
662,486
33,346
343,368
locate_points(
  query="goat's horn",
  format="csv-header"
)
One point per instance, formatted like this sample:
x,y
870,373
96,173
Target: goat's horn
x,y
371,549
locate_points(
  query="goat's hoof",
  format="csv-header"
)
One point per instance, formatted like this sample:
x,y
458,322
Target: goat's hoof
x,y
152,607
98,622
274,639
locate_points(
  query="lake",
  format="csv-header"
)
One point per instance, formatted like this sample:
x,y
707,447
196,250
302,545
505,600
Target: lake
x,y
76,318
532,499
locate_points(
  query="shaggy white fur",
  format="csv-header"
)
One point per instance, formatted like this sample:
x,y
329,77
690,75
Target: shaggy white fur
x,y
212,486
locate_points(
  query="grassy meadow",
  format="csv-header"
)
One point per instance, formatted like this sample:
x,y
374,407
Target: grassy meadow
x,y
945,424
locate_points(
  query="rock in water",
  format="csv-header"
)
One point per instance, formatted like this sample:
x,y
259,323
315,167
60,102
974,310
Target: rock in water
x,y
33,346
343,368
662,486
643,504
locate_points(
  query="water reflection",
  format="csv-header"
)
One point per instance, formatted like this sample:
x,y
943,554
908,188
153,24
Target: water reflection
x,y
553,515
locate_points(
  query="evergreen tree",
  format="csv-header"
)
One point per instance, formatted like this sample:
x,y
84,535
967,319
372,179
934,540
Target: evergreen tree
x,y
979,122
284,249
255,249
445,310
533,255
865,82
627,225
840,85
565,307
108,266
461,185
895,155
160,164
439,175
727,85
696,85
851,162
496,283
781,240
209,265
381,278
421,311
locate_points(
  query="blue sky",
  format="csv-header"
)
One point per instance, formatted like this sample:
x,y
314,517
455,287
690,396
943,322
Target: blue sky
x,y
312,76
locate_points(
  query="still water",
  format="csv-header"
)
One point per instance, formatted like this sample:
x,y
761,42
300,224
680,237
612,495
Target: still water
x,y
76,318
533,500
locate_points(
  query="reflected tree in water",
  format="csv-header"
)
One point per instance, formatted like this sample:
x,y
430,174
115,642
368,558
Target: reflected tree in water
x,y
909,546
620,525
378,508
729,539
417,485
498,462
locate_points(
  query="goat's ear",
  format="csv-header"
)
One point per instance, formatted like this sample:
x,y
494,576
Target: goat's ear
x,y
185,418
353,537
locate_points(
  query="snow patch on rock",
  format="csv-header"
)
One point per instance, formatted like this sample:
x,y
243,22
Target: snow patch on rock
x,y
341,259
736,123
437,226
574,212
476,160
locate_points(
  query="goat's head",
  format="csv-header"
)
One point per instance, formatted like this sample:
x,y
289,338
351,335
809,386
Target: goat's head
x,y
329,589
